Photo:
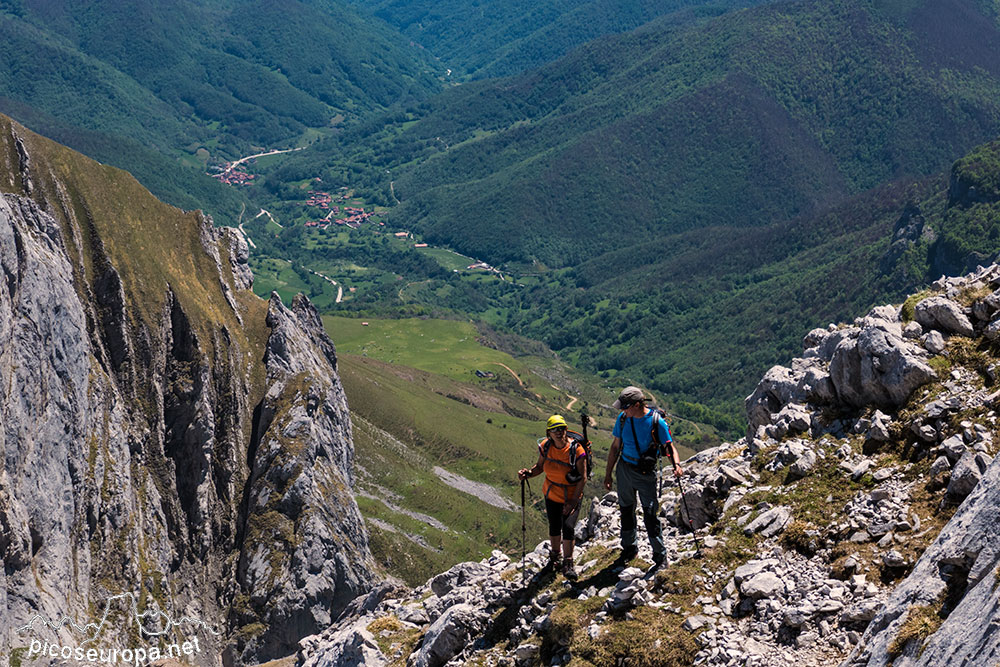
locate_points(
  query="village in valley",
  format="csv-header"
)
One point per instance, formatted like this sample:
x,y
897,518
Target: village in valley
x,y
232,173
330,218
349,216
339,213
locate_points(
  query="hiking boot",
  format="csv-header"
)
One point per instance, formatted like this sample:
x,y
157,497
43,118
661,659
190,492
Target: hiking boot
x,y
628,553
553,560
568,570
658,560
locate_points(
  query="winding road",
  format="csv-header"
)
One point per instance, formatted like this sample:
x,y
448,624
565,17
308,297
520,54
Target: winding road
x,y
340,288
497,363
233,165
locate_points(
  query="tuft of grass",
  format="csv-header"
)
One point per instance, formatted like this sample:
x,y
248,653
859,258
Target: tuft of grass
x,y
400,645
797,537
390,623
965,352
650,638
251,630
838,569
910,305
967,297
921,623
394,638
732,453
569,617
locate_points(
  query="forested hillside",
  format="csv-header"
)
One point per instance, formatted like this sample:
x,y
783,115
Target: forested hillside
x,y
198,80
510,36
698,314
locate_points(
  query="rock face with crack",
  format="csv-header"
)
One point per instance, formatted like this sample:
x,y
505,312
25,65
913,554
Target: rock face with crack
x,y
162,429
956,574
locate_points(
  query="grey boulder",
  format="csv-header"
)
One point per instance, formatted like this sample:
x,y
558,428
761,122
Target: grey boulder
x,y
449,634
943,314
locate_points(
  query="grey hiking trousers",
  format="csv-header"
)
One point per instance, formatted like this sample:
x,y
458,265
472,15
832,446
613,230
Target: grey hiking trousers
x,y
630,483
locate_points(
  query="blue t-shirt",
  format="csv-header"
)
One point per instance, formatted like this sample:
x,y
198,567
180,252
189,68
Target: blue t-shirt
x,y
643,430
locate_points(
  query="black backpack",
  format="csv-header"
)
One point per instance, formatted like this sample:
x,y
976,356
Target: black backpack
x,y
588,466
664,448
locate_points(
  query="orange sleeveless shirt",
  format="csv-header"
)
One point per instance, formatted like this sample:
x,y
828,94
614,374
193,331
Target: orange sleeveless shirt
x,y
557,465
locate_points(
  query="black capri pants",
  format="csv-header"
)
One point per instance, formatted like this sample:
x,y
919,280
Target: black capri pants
x,y
559,523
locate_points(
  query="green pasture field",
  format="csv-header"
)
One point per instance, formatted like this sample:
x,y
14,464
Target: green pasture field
x,y
276,275
450,260
444,347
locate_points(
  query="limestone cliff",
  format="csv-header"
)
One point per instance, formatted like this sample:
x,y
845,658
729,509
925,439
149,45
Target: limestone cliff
x,y
163,431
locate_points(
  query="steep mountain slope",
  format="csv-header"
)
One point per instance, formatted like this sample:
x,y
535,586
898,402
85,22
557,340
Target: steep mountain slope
x,y
212,75
852,525
504,38
165,433
721,299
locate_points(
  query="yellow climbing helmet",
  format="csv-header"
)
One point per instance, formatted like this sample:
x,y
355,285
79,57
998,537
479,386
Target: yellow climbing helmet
x,y
555,421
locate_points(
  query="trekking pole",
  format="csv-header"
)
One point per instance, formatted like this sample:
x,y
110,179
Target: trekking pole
x,y
694,534
524,532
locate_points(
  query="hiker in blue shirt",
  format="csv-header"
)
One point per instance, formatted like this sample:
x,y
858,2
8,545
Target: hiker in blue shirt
x,y
634,444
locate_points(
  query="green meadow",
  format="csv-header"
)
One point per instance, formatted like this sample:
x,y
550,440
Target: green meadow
x,y
444,347
448,258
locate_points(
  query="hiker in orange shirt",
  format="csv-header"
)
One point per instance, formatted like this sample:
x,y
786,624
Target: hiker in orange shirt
x,y
564,463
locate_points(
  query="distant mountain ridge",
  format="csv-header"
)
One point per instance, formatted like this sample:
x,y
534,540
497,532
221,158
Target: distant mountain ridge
x,y
744,119
507,37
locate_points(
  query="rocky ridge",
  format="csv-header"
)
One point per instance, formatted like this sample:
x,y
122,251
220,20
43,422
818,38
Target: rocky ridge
x,y
163,431
854,524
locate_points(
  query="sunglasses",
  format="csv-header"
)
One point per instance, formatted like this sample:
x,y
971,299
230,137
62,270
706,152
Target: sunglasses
x,y
559,429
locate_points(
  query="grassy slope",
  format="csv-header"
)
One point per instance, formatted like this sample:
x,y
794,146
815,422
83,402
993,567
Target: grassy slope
x,y
388,411
443,347
152,245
